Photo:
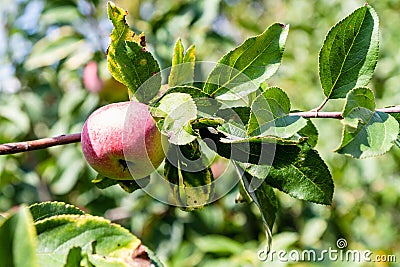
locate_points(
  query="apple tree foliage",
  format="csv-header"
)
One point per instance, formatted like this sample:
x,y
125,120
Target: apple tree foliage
x,y
59,234
47,233
346,62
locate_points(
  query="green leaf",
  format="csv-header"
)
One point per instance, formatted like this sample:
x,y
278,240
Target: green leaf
x,y
131,186
47,51
18,240
121,29
44,210
301,173
127,185
182,70
350,52
206,122
74,257
128,60
190,180
397,117
247,150
194,92
105,243
243,69
270,115
265,199
310,132
177,57
206,107
177,111
103,182
366,132
239,114
218,244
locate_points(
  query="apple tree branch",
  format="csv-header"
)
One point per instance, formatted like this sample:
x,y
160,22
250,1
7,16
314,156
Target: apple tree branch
x,y
64,139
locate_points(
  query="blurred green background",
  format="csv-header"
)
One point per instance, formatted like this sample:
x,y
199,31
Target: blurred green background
x,y
53,75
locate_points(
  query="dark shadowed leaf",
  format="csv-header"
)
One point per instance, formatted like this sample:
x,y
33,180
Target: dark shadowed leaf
x,y
264,197
297,171
310,132
44,210
300,172
190,180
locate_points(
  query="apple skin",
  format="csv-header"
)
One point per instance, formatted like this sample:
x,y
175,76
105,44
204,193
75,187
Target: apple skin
x,y
121,141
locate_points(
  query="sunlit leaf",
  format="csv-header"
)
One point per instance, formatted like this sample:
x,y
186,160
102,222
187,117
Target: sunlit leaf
x,y
270,115
397,117
177,111
350,52
300,172
243,69
128,60
182,70
366,132
218,244
47,52
99,239
18,240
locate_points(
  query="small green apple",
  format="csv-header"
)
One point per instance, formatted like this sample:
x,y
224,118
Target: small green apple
x,y
121,141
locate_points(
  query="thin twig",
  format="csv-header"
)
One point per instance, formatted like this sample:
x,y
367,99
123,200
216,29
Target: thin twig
x,y
12,148
322,105
338,115
315,114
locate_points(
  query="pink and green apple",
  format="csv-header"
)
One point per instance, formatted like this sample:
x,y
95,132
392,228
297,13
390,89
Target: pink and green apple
x,y
121,141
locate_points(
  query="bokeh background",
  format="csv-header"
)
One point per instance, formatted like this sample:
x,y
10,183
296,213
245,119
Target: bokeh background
x,y
53,74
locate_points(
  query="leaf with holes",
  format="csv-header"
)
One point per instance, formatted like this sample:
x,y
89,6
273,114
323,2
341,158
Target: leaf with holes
x,y
190,179
128,60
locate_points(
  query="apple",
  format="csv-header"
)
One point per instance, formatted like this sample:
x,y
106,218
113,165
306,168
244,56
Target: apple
x,y
121,141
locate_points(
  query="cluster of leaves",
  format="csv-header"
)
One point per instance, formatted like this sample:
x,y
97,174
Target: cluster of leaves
x,y
58,234
262,125
52,100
